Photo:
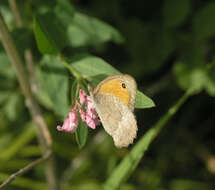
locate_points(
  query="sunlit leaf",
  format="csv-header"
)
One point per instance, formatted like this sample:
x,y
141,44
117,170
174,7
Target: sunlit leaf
x,y
90,66
95,69
142,101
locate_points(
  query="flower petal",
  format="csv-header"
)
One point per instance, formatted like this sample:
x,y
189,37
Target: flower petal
x,y
70,123
82,96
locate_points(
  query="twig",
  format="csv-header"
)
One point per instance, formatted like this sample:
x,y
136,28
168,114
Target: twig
x,y
25,169
28,53
30,67
42,130
15,10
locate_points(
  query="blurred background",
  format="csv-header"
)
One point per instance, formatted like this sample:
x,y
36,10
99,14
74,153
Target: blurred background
x,y
169,47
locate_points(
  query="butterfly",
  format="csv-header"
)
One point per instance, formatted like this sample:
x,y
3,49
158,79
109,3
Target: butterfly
x,y
114,100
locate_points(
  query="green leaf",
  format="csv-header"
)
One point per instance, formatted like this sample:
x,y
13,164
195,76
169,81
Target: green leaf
x,y
64,11
175,12
85,30
95,80
49,33
196,78
7,15
19,142
150,42
203,26
81,134
30,151
22,38
4,96
14,106
74,91
39,6
82,83
6,69
210,83
90,66
130,162
53,85
142,101
192,78
8,80
95,70
5,139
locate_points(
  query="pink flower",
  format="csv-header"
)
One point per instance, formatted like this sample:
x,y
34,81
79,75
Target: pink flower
x,y
70,123
90,122
82,96
90,117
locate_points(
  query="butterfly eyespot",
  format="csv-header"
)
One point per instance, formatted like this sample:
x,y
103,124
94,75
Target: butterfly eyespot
x,y
123,85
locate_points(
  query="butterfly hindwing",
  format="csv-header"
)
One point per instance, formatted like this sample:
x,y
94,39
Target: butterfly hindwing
x,y
117,119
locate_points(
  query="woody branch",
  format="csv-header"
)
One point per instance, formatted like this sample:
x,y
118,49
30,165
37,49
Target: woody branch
x,y
42,130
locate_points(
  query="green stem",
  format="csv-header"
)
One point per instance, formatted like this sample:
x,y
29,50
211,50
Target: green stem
x,y
70,68
130,162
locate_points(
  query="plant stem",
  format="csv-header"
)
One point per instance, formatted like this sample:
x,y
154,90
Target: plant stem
x,y
130,162
28,53
42,130
70,68
25,169
15,10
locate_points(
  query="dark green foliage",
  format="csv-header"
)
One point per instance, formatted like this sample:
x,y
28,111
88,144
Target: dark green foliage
x,y
81,134
53,84
49,33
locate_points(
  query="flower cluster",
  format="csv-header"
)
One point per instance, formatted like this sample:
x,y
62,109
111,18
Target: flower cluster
x,y
90,117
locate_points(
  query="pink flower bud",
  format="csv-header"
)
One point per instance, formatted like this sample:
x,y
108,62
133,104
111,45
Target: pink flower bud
x,y
82,96
90,122
70,123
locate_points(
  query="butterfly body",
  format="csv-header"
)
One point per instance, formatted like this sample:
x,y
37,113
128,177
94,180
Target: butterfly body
x,y
114,100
